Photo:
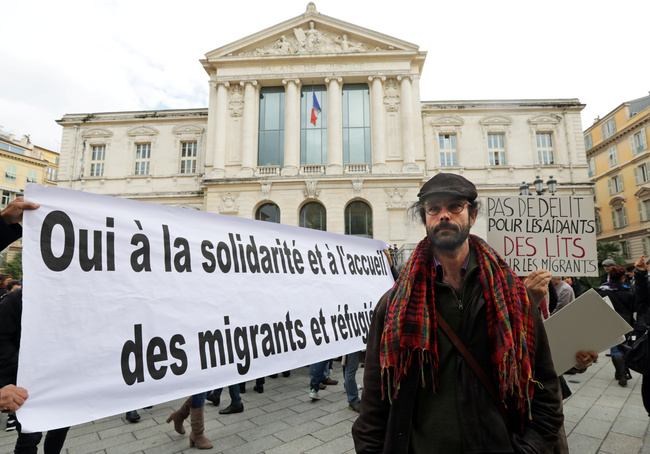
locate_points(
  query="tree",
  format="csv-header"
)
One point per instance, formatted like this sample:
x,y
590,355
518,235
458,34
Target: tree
x,y
605,250
15,266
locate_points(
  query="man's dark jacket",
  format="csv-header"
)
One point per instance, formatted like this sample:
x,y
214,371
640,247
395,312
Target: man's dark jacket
x,y
385,428
9,233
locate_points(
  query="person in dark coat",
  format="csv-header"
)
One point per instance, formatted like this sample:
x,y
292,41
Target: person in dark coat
x,y
622,298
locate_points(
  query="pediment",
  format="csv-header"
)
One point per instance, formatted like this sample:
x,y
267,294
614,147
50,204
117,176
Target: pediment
x,y
188,129
617,201
642,193
447,120
142,131
545,119
311,33
97,132
496,120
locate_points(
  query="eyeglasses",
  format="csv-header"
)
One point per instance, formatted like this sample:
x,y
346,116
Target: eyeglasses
x,y
453,207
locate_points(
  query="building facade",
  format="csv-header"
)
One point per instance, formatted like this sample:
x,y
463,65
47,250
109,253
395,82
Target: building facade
x,y
22,162
317,122
617,153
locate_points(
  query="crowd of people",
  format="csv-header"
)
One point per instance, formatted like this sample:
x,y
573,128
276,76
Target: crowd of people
x,y
457,358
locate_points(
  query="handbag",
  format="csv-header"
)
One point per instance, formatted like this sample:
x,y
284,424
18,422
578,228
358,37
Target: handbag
x,y
637,357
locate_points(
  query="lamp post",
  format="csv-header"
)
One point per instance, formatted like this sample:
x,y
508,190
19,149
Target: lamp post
x,y
539,186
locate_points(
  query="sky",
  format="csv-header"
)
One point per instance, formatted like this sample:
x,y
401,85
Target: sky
x,y
85,56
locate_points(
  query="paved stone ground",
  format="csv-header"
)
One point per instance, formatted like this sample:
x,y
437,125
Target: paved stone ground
x,y
601,417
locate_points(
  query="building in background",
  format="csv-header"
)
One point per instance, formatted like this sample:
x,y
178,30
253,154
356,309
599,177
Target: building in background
x,y
22,162
318,123
617,153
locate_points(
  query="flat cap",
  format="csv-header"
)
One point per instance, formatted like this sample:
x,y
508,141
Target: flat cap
x,y
449,183
609,262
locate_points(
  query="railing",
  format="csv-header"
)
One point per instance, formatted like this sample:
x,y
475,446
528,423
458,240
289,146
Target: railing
x,y
312,169
357,168
268,170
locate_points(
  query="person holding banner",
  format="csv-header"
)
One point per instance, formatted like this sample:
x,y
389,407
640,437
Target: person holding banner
x,y
500,393
194,408
11,308
12,397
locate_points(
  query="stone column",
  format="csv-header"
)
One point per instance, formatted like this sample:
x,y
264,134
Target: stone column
x,y
378,124
217,124
334,126
418,131
408,145
291,127
249,134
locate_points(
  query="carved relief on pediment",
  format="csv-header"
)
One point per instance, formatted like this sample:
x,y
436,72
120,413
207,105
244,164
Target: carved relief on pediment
x,y
310,41
391,95
97,132
236,104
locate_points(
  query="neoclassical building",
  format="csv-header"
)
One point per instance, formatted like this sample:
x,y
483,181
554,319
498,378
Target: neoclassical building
x,y
317,122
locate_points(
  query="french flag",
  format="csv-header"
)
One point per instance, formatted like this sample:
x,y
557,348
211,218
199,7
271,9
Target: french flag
x,y
315,109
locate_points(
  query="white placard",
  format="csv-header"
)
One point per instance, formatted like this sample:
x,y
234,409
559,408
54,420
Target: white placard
x,y
557,234
587,323
128,304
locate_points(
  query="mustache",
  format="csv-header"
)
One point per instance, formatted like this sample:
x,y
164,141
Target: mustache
x,y
446,226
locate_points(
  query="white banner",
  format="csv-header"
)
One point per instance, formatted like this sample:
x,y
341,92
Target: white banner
x,y
557,234
128,304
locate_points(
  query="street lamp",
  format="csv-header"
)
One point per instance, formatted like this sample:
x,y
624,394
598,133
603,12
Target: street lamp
x,y
539,185
552,185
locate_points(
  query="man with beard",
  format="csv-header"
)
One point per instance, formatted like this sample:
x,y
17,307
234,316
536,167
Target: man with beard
x,y
421,395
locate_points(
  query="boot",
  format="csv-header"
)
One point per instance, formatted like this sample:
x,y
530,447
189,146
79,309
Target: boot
x,y
179,416
621,373
196,436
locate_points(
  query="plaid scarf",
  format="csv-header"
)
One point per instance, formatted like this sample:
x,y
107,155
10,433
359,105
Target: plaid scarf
x,y
410,326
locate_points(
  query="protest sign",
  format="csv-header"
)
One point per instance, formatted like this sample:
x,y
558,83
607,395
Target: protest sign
x,y
553,233
128,304
594,325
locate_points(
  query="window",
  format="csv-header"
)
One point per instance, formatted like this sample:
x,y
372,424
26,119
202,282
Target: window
x,y
644,210
612,156
50,174
592,167
608,128
358,219
32,176
641,174
269,212
142,158
97,161
646,245
313,138
625,248
615,184
588,142
188,157
619,216
356,124
270,150
638,142
313,216
599,224
11,173
448,156
496,150
545,148
6,198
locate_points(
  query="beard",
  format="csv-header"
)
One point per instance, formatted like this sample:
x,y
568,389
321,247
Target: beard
x,y
447,236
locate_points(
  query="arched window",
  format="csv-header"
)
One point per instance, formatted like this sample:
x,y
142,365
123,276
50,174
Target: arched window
x,y
358,219
268,212
313,216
